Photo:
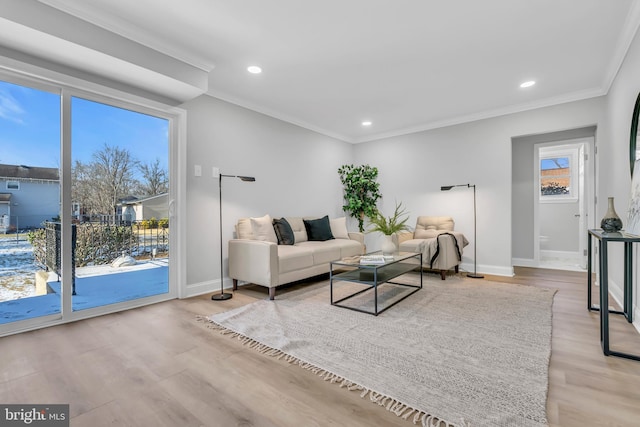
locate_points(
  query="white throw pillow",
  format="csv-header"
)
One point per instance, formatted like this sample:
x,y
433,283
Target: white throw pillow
x,y
339,228
243,229
263,229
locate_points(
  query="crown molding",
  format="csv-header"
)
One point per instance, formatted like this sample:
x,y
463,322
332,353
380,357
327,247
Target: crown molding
x,y
628,33
278,115
549,102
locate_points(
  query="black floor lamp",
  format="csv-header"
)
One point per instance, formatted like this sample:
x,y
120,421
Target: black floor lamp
x,y
222,295
475,274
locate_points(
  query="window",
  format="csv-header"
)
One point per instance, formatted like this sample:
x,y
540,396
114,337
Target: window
x,y
558,176
13,185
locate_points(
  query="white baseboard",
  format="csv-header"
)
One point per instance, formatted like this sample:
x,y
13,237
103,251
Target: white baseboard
x,y
210,286
617,293
488,269
524,262
559,254
556,264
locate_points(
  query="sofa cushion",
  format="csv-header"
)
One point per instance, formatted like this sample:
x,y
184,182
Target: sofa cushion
x,y
339,228
427,234
262,229
433,223
323,252
318,229
414,245
299,230
291,258
283,230
348,248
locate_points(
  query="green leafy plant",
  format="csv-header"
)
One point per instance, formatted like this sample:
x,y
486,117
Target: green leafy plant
x,y
361,191
393,224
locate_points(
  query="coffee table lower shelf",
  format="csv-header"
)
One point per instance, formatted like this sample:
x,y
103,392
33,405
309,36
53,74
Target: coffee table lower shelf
x,y
373,277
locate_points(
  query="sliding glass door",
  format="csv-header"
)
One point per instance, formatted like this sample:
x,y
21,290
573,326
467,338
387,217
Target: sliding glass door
x,y
85,197
29,197
120,199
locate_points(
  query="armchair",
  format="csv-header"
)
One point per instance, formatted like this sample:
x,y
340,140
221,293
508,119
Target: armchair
x,y
435,238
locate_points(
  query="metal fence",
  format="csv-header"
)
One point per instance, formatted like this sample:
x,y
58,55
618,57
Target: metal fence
x,y
96,243
10,224
53,251
100,243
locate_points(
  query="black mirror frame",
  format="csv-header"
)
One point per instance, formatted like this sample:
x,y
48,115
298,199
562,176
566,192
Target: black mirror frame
x,y
634,134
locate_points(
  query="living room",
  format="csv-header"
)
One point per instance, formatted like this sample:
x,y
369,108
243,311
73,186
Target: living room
x,y
296,174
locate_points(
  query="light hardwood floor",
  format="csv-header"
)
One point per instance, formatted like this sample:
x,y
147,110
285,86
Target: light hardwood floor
x,y
158,366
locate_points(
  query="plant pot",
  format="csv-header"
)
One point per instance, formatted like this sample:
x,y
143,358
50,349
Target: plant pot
x,y
611,221
388,247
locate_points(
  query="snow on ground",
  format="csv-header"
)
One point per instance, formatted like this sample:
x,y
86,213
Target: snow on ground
x,y
96,286
17,269
99,287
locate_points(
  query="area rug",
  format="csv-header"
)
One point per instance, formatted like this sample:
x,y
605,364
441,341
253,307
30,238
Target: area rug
x,y
459,352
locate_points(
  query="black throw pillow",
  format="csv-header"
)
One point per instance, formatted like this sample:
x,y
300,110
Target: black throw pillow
x,y
284,232
318,229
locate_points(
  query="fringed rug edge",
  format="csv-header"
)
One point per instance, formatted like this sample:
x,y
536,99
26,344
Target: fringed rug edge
x,y
390,404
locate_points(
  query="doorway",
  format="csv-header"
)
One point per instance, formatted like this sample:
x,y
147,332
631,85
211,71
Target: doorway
x,y
563,203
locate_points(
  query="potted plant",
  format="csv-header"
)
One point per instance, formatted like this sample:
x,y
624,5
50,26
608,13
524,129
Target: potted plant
x,y
361,191
389,226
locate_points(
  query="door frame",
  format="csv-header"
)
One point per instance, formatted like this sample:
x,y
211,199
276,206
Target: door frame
x,y
586,192
67,87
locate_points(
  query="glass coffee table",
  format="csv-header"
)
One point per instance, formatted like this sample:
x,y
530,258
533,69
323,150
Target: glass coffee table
x,y
372,276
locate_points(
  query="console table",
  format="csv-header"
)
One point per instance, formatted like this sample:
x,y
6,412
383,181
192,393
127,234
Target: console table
x,y
603,240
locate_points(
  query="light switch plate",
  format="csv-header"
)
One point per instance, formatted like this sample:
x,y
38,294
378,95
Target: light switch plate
x,y
215,172
197,170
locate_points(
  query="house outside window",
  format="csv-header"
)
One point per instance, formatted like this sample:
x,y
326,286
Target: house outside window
x,y
558,176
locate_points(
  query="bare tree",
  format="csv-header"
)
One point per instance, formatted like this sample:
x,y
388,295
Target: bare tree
x,y
155,179
99,185
113,169
81,190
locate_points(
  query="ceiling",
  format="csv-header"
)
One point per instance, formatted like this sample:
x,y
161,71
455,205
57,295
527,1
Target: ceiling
x,y
405,65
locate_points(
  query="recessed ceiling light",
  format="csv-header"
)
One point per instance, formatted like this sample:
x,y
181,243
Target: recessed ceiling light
x,y
366,123
254,69
528,84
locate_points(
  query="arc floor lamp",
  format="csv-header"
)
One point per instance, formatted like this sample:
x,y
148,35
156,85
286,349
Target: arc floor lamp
x,y
475,274
222,295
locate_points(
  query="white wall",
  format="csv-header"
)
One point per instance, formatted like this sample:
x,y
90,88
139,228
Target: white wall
x,y
413,167
615,180
296,170
296,173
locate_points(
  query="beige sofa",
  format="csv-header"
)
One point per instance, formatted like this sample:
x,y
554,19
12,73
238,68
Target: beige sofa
x,y
440,245
256,257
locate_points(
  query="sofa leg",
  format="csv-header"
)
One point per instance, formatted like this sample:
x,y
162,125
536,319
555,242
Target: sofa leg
x,y
443,274
235,284
457,269
272,293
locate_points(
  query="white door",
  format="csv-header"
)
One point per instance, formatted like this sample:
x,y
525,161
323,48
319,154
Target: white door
x,y
564,203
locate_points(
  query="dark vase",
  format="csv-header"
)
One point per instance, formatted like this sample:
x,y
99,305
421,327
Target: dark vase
x,y
611,221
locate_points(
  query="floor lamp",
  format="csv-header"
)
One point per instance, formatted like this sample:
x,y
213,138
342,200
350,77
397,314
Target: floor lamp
x,y
222,295
475,274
